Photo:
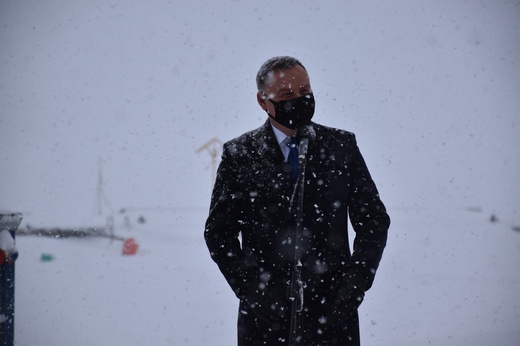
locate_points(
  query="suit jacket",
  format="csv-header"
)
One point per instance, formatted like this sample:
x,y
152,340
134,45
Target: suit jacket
x,y
250,230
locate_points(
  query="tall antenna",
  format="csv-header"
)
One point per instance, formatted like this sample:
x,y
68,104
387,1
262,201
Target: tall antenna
x,y
213,148
100,192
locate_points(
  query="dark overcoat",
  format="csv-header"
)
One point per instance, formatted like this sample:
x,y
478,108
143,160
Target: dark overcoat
x,y
251,225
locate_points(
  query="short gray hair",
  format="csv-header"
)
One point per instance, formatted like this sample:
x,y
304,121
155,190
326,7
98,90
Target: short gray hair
x,y
279,63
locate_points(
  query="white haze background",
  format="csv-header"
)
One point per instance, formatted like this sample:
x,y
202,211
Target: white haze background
x,y
431,89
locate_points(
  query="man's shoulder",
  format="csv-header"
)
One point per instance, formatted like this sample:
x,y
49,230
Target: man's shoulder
x,y
327,133
250,138
323,134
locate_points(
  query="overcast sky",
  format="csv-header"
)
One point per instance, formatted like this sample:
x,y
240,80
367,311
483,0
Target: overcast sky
x,y
430,88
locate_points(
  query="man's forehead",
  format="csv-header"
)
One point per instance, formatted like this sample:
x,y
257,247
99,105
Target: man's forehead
x,y
283,79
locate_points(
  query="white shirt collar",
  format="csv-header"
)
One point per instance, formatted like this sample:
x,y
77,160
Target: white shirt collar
x,y
280,136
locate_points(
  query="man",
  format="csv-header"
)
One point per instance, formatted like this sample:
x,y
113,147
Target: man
x,y
262,235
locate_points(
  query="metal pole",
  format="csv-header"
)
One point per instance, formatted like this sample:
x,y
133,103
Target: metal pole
x,y
296,289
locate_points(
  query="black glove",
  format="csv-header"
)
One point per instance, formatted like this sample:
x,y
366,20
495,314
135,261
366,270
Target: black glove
x,y
265,304
348,294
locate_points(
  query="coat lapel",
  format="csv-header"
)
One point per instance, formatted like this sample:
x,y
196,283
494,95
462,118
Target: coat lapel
x,y
267,144
269,167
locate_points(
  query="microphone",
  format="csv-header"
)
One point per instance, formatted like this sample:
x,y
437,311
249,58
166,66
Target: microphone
x,y
306,134
306,131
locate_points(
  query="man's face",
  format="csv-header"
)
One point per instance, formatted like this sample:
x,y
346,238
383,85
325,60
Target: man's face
x,y
284,85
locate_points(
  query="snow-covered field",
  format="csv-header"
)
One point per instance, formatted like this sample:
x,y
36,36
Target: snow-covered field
x,y
448,277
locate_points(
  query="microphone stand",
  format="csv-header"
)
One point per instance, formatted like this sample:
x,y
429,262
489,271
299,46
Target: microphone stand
x,y
296,288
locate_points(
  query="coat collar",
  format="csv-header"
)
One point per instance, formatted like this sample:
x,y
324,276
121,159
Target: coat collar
x,y
267,143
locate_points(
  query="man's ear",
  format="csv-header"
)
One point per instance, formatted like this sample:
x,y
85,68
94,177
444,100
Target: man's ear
x,y
261,97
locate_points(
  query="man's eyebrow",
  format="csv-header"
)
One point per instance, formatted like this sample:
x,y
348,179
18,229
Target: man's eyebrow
x,y
291,89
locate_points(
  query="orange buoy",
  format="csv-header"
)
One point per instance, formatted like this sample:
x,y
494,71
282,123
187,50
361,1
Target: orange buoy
x,y
130,247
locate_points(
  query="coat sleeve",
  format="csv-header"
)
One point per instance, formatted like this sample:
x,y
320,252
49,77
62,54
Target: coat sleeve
x,y
223,226
369,220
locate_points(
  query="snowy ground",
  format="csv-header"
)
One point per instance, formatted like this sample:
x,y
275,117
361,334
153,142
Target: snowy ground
x,y
447,278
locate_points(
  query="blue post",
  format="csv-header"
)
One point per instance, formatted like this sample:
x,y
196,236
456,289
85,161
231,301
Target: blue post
x,y
8,254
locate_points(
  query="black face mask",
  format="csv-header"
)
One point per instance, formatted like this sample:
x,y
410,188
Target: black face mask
x,y
295,112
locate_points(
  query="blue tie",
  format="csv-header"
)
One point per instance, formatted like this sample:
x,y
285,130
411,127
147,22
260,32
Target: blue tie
x,y
292,158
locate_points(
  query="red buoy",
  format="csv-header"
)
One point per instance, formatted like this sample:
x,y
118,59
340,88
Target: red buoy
x,y
130,247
